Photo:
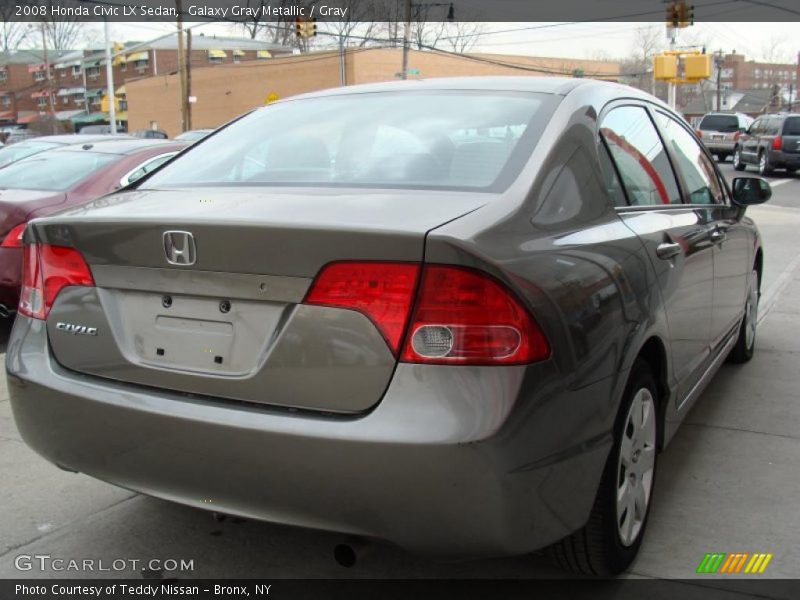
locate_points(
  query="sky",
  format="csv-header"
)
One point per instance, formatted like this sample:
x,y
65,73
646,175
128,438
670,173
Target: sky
x,y
567,40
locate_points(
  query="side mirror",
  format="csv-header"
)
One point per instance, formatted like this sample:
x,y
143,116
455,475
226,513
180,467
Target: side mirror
x,y
751,190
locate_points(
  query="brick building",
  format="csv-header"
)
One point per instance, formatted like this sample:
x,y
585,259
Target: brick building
x,y
228,91
78,83
738,73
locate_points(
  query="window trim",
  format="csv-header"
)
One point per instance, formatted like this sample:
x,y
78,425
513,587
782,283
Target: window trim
x,y
679,174
643,104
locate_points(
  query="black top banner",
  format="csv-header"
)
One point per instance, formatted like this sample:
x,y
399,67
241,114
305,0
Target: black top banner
x,y
396,10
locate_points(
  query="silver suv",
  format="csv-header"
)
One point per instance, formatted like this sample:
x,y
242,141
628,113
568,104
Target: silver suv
x,y
720,131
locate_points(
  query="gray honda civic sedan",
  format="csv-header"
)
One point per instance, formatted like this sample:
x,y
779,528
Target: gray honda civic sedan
x,y
460,315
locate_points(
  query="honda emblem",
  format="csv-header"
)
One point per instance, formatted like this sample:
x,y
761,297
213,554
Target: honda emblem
x,y
180,248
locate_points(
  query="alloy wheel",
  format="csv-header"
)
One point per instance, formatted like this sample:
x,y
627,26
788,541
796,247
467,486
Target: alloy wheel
x,y
751,313
636,465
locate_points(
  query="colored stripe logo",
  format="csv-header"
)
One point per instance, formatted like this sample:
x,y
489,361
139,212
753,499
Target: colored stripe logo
x,y
734,563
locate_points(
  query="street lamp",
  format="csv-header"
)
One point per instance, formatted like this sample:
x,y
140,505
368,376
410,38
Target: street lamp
x,y
415,8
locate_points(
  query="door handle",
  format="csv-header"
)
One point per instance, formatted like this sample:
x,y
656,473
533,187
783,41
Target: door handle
x,y
668,250
718,236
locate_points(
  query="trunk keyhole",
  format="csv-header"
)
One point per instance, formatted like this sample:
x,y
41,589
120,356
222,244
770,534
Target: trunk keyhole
x,y
166,301
224,306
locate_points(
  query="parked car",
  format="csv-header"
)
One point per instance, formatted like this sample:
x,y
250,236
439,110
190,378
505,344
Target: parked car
x,y
721,130
772,142
20,135
193,135
22,150
57,179
463,315
151,134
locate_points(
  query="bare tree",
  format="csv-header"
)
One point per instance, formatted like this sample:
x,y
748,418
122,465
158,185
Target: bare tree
x,y
463,35
13,32
359,25
636,68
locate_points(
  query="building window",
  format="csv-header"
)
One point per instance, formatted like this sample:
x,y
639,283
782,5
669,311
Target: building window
x,y
76,70
6,101
65,100
123,66
123,105
62,72
41,101
93,72
141,65
38,76
237,59
79,100
3,75
215,60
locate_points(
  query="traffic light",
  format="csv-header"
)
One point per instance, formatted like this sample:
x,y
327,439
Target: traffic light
x,y
686,13
673,15
697,66
305,28
665,67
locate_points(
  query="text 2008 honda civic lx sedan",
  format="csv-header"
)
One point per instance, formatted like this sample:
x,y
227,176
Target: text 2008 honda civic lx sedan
x,y
461,315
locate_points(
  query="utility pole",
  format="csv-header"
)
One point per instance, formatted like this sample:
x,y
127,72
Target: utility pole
x,y
49,80
719,61
406,36
188,78
112,109
181,59
672,32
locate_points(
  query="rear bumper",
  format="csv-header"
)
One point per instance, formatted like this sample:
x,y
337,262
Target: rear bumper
x,y
452,468
790,160
10,276
720,146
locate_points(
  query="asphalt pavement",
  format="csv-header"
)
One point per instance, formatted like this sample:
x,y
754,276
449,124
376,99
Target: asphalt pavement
x,y
727,483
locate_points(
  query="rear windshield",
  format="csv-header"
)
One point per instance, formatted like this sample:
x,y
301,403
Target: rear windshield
x,y
725,123
450,140
53,171
792,126
11,154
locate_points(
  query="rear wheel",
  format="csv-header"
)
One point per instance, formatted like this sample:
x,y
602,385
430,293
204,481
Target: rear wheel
x,y
764,166
610,540
746,343
737,160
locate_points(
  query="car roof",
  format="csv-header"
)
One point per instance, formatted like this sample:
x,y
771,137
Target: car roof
x,y
125,146
75,138
546,85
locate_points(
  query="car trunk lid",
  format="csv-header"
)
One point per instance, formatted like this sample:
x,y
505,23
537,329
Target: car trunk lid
x,y
228,320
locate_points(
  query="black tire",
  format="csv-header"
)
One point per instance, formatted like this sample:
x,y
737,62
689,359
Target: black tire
x,y
764,166
738,163
597,548
745,346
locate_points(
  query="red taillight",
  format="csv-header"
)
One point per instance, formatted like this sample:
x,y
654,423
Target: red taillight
x,y
13,238
466,317
46,270
384,292
736,136
699,133
777,143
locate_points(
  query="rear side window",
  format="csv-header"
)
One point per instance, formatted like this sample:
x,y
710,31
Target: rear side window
x,y
725,123
773,126
640,157
695,167
791,126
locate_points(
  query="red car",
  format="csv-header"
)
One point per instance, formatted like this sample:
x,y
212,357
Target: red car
x,y
61,178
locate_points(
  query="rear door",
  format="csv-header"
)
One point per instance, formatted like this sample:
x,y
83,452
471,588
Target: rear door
x,y
749,141
674,234
732,242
